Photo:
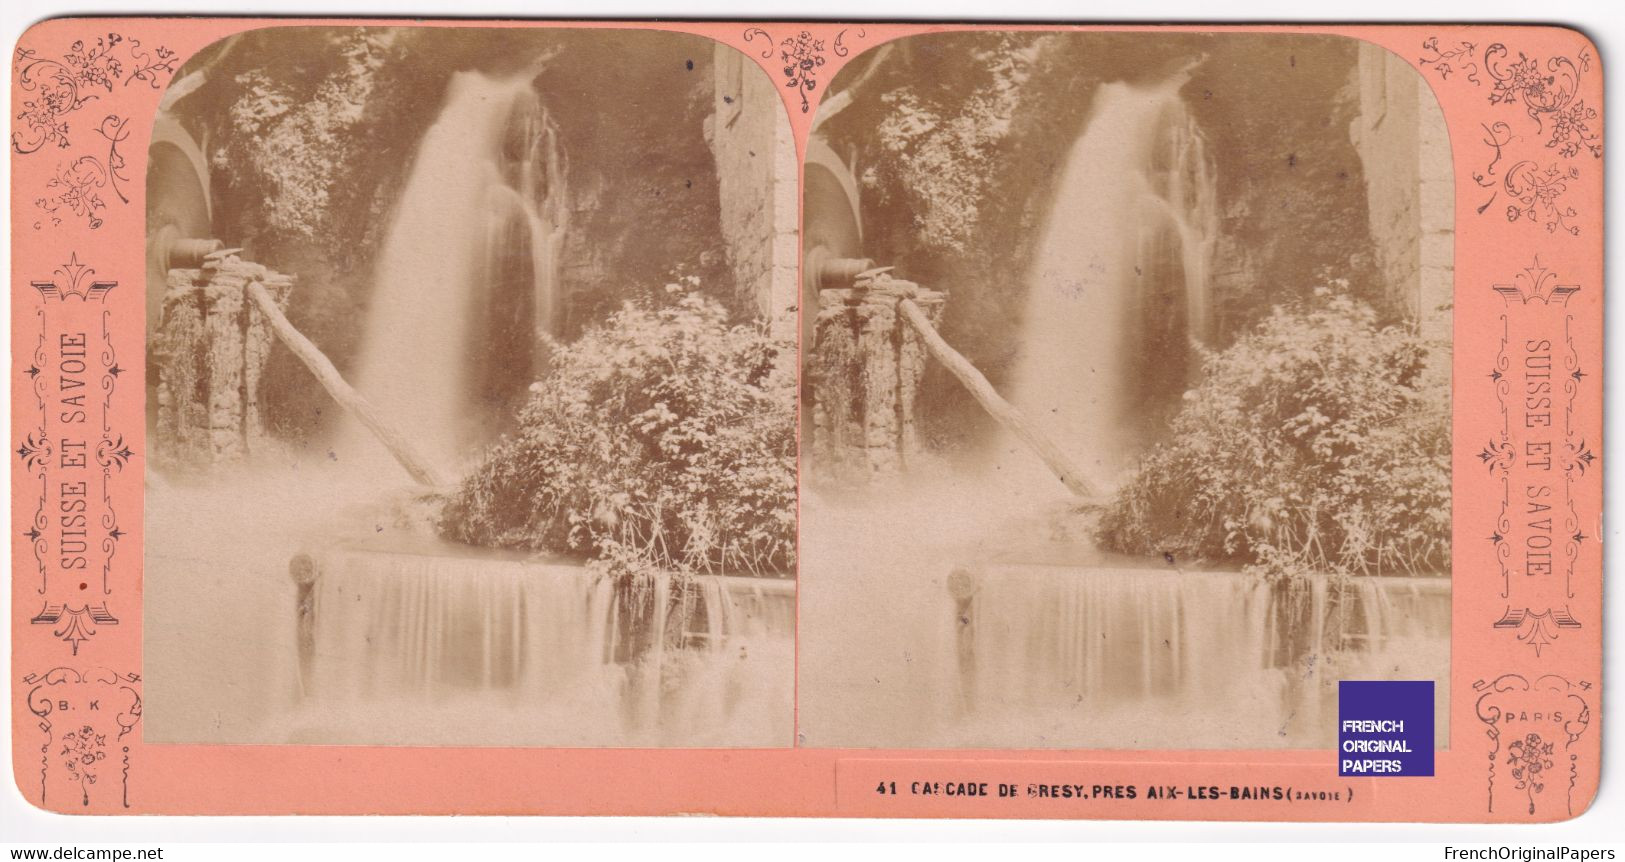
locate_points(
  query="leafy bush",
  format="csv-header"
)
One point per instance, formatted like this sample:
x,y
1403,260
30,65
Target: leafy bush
x,y
662,438
1319,442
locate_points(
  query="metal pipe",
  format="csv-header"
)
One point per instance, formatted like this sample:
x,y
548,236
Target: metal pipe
x,y
837,272
190,252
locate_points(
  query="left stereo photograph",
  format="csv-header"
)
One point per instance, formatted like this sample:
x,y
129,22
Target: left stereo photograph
x,y
471,392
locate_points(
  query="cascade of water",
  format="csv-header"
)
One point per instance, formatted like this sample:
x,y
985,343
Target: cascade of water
x,y
1014,637
549,647
1110,642
1119,291
466,283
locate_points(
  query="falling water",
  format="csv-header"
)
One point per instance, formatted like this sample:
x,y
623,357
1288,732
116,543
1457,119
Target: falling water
x,y
1119,294
457,648
466,283
1129,648
991,629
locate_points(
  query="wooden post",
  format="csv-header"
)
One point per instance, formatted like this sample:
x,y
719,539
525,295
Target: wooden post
x,y
1000,409
303,570
319,365
962,586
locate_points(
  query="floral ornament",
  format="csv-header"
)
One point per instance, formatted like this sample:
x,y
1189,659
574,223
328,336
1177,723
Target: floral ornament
x,y
63,85
1529,758
81,750
802,55
74,189
85,715
1447,61
1549,95
1548,92
1521,77
1571,130
1536,194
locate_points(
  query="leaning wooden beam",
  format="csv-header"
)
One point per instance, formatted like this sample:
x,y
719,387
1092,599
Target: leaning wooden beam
x,y
308,353
1000,409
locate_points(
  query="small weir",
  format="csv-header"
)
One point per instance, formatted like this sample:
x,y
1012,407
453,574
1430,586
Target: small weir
x,y
1101,641
442,626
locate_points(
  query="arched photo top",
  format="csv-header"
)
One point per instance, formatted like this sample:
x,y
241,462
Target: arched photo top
x,y
1172,324
537,281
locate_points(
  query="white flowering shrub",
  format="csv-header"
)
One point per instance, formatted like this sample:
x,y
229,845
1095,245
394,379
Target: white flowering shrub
x,y
663,438
1318,443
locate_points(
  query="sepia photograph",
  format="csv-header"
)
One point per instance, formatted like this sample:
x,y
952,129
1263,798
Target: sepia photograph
x,y
469,422
1125,391
471,394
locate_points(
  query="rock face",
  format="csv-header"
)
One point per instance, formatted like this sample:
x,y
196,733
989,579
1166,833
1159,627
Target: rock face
x,y
866,381
1291,187
644,178
210,351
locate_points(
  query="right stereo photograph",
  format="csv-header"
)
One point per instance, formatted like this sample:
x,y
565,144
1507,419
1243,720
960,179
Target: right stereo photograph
x,y
1126,391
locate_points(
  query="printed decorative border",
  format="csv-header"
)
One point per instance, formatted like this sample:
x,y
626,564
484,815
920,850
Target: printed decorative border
x,y
802,55
1525,723
1537,458
73,453
84,716
1534,183
53,89
1527,139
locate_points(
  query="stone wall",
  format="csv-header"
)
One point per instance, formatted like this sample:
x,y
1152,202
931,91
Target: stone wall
x,y
210,351
757,182
1404,147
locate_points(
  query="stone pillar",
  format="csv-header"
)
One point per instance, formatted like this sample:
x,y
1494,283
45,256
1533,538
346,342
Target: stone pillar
x,y
179,349
757,173
865,377
210,351
1404,148
1438,260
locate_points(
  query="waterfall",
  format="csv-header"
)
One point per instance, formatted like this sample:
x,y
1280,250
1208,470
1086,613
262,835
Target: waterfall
x,y
491,649
1119,291
466,283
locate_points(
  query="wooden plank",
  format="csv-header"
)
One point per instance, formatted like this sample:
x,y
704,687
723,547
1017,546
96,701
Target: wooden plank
x,y
1000,409
405,453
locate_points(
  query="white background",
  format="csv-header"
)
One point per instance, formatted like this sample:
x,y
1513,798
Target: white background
x,y
1605,822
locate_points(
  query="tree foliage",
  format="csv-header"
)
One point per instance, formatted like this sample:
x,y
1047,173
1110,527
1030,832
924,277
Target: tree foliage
x,y
1319,442
662,438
